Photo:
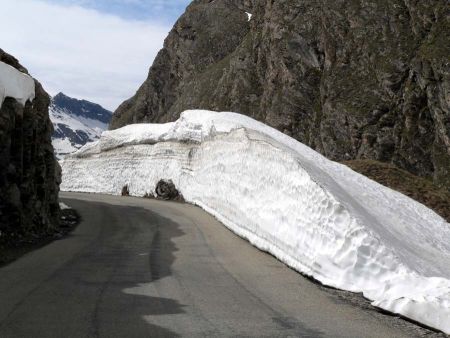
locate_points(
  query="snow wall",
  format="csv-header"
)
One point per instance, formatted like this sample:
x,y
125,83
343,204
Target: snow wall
x,y
317,216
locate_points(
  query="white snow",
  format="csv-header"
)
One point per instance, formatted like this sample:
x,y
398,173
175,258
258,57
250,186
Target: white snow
x,y
319,217
15,84
249,15
63,206
63,146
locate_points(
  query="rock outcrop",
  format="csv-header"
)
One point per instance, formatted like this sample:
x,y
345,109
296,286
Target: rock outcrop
x,y
358,79
29,173
166,190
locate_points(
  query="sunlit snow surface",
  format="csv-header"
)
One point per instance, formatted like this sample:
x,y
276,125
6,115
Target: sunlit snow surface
x,y
15,84
317,216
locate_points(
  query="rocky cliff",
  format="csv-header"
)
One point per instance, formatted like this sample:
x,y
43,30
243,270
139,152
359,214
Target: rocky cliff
x,y
353,79
29,173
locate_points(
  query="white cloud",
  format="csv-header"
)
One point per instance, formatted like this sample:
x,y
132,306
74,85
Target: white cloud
x,y
81,52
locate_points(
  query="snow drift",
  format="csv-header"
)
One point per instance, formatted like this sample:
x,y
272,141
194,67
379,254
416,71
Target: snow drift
x,y
15,84
317,216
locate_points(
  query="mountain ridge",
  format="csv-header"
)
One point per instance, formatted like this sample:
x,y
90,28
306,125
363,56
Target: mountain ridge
x,y
76,122
351,79
82,107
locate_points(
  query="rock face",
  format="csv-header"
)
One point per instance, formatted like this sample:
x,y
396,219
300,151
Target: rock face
x,y
29,173
359,79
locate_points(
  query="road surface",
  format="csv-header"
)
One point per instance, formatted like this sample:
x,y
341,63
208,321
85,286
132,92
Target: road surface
x,y
144,268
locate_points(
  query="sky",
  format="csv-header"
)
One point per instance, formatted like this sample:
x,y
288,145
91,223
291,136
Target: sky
x,y
97,50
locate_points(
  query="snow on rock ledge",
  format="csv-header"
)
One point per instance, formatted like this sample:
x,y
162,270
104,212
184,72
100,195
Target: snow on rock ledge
x,y
15,84
317,216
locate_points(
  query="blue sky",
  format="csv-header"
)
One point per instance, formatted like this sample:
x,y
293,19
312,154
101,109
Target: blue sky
x,y
149,10
98,50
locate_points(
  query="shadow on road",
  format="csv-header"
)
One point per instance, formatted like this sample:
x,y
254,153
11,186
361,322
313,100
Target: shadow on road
x,y
161,256
106,289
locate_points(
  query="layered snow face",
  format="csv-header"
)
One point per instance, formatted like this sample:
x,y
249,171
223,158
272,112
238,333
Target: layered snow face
x,y
317,216
72,131
15,84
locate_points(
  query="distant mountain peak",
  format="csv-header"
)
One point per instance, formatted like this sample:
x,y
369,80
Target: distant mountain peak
x,y
82,108
76,122
60,95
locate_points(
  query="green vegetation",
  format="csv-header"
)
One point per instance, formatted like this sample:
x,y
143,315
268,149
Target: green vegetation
x,y
418,188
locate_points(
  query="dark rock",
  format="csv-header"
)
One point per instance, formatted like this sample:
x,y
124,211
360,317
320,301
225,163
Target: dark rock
x,y
166,190
353,79
125,191
29,172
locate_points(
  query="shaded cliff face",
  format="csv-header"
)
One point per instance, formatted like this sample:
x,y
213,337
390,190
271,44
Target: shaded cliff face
x,y
352,79
29,173
207,33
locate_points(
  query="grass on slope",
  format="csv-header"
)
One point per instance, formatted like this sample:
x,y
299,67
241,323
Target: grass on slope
x,y
418,188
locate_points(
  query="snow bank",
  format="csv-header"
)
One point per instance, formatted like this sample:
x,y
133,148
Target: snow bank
x,y
317,216
15,84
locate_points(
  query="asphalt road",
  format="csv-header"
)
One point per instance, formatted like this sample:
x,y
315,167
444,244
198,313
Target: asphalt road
x,y
142,268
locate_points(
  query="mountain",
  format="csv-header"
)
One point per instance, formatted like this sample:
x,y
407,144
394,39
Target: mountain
x,y
29,173
76,122
357,79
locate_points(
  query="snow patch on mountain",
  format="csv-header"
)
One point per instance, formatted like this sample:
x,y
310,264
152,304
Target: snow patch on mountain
x,y
319,217
75,123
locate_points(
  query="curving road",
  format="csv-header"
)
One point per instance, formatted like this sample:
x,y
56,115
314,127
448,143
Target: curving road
x,y
144,268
